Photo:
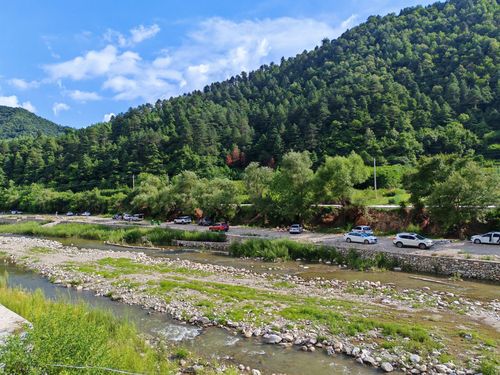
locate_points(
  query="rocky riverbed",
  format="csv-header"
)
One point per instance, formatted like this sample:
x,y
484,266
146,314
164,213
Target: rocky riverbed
x,y
413,330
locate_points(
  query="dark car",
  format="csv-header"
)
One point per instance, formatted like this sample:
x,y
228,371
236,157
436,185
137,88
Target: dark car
x,y
205,222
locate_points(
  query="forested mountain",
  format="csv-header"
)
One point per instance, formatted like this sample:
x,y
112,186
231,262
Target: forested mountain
x,y
394,88
16,122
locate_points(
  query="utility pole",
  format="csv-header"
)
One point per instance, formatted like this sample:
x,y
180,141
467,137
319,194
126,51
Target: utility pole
x,y
133,182
375,177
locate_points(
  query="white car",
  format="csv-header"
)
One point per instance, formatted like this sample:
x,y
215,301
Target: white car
x,y
182,220
86,213
413,240
490,237
363,229
295,229
360,237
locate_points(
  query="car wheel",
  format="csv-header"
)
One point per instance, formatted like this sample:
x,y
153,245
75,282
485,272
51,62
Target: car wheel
x,y
348,239
422,246
477,241
399,244
366,242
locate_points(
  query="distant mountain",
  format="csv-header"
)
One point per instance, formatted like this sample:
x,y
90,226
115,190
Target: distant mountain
x,y
15,122
394,88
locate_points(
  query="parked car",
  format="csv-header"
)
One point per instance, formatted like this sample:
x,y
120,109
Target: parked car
x,y
86,213
69,213
117,217
183,220
16,212
205,222
136,217
413,240
363,229
490,237
126,217
295,229
360,237
219,227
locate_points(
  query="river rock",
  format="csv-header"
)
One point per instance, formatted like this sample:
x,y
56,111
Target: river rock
x,y
330,350
370,360
255,372
387,367
355,351
272,339
441,369
415,358
287,337
338,346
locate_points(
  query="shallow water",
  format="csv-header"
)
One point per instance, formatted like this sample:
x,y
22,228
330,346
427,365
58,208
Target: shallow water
x,y
212,343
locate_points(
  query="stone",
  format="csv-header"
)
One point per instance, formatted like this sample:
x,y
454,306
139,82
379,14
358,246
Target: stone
x,y
415,358
387,367
255,372
370,360
356,351
287,337
441,369
330,350
272,339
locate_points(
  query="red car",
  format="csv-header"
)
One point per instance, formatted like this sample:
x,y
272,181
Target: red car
x,y
219,227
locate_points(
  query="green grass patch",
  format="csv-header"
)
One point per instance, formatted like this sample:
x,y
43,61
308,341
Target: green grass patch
x,y
133,235
41,250
69,334
271,250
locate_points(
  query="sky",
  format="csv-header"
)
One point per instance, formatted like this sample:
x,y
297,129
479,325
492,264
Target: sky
x,y
78,62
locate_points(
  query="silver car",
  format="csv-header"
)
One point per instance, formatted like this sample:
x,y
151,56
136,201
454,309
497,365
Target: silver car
x,y
412,240
490,238
360,237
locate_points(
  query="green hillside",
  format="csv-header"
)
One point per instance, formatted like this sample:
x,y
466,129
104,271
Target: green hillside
x,y
394,88
15,122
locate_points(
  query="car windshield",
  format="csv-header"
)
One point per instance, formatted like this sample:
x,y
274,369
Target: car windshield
x,y
295,225
420,237
365,235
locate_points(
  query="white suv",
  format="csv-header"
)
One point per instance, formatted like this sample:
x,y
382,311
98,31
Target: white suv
x,y
295,229
490,237
183,220
412,239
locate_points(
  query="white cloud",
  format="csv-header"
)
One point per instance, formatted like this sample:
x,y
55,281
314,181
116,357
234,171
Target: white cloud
x,y
217,49
137,35
108,116
13,101
59,107
84,96
140,33
22,84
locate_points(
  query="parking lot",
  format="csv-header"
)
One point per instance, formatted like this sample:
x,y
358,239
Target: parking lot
x,y
442,246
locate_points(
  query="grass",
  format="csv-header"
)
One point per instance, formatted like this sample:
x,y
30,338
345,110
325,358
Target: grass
x,y
271,250
368,197
132,236
41,250
68,334
111,268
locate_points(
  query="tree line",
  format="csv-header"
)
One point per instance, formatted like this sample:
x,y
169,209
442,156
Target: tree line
x,y
456,192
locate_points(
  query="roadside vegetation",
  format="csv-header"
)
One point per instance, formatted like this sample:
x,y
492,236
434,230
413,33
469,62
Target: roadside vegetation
x,y
132,236
450,195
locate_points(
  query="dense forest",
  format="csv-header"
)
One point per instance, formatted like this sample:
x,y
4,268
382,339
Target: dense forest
x,y
17,122
394,88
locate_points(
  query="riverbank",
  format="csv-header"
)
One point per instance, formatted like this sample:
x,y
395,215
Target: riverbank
x,y
71,338
335,316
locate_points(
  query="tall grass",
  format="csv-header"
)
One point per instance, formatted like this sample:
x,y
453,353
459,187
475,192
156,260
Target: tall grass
x,y
271,250
131,235
74,335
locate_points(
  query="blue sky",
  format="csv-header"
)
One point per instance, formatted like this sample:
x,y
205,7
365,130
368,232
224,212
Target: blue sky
x,y
76,62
